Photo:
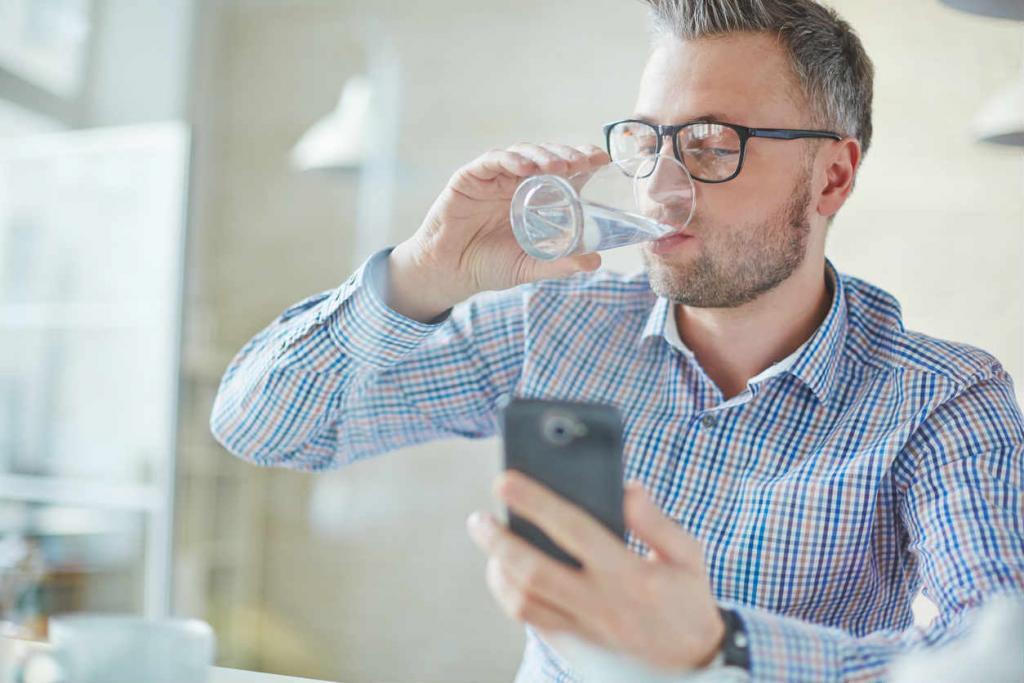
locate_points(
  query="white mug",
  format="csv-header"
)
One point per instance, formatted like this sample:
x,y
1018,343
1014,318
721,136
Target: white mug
x,y
14,652
95,648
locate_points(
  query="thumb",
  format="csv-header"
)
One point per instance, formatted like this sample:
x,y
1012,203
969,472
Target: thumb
x,y
666,538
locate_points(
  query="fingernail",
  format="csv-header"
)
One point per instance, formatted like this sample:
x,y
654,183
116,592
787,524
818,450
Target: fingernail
x,y
503,483
636,487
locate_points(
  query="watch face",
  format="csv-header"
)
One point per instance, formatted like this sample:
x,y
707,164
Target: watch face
x,y
735,646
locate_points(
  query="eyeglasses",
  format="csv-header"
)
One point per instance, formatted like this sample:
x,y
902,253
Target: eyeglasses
x,y
712,152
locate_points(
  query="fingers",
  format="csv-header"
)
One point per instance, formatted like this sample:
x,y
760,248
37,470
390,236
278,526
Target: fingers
x,y
497,162
529,585
561,159
546,160
527,567
596,155
523,607
568,525
667,540
525,159
576,161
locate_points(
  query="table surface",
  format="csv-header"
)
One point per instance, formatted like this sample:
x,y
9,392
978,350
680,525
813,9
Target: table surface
x,y
221,675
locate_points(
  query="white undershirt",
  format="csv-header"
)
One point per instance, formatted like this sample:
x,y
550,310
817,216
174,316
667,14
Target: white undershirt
x,y
671,332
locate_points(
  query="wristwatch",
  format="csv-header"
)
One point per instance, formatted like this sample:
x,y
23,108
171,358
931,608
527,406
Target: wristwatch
x,y
735,648
732,663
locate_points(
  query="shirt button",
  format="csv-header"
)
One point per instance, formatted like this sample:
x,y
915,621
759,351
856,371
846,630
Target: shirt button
x,y
709,421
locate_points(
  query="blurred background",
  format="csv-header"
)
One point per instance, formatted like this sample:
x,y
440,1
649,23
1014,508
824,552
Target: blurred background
x,y
174,173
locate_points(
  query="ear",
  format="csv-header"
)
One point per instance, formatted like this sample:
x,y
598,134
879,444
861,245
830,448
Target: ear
x,y
842,162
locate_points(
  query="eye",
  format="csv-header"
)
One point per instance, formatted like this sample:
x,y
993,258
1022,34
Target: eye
x,y
645,143
711,152
720,153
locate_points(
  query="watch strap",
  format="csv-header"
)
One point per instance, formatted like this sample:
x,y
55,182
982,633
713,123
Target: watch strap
x,y
735,643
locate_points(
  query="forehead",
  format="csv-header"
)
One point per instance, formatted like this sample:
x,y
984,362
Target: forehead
x,y
745,78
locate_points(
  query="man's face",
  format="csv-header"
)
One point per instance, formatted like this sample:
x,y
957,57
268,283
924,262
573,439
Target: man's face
x,y
752,232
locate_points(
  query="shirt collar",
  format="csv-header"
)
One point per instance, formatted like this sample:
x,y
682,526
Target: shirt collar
x,y
814,363
818,362
655,325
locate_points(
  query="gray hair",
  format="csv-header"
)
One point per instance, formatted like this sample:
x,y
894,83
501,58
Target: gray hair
x,y
834,72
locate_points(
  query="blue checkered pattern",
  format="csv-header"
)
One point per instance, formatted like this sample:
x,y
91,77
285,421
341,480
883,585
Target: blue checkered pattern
x,y
880,462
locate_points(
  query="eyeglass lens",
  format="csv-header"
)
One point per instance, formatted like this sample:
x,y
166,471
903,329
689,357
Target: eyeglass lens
x,y
710,151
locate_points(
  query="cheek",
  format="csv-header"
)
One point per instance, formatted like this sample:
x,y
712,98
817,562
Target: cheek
x,y
748,198
724,205
773,177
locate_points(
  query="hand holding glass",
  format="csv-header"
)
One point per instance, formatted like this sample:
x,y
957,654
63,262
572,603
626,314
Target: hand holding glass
x,y
624,202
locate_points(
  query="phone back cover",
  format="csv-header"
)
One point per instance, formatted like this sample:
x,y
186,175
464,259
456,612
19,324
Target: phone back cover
x,y
587,471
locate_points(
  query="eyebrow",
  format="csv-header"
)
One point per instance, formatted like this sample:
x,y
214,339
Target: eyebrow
x,y
712,117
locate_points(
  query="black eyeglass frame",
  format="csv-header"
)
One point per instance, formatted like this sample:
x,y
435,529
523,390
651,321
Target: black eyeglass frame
x,y
743,132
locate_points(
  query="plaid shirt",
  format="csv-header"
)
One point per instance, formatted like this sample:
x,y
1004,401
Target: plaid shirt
x,y
876,462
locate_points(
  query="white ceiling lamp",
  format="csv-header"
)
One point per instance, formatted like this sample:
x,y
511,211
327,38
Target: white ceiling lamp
x,y
1001,119
360,139
338,141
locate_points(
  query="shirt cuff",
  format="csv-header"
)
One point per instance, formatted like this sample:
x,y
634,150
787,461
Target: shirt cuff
x,y
784,648
362,325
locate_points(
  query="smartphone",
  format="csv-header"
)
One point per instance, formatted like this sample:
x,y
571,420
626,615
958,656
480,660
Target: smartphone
x,y
573,448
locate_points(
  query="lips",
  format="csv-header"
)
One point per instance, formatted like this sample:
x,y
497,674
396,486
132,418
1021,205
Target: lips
x,y
669,242
679,234
679,225
680,229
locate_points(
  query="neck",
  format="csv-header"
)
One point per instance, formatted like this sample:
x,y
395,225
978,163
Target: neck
x,y
734,345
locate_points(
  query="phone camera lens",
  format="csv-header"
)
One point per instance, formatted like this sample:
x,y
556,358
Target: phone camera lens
x,y
561,429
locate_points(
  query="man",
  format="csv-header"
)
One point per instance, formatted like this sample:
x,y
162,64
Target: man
x,y
811,464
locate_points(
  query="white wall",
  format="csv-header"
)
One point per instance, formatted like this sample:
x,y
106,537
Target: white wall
x,y
937,218
140,61
392,589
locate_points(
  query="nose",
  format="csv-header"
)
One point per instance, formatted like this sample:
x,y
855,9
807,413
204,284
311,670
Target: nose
x,y
668,183
667,190
666,149
665,146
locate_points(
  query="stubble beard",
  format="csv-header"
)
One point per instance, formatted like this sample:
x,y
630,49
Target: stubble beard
x,y
735,266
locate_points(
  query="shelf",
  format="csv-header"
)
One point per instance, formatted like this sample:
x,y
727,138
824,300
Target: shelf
x,y
82,493
63,521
